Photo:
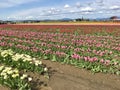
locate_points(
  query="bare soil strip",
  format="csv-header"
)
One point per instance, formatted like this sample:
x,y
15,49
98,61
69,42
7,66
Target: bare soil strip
x,y
66,77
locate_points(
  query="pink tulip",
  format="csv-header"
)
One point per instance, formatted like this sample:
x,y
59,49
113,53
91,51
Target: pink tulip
x,y
107,62
102,61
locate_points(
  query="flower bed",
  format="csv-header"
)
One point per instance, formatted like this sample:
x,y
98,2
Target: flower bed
x,y
98,53
23,47
11,66
13,79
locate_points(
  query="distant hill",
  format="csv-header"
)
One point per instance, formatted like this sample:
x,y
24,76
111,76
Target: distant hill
x,y
108,18
102,19
66,19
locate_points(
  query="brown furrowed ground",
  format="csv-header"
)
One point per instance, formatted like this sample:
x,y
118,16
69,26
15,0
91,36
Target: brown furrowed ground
x,y
67,77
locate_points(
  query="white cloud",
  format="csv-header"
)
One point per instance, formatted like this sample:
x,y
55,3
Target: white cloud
x,y
86,13
93,7
29,17
72,11
100,12
115,7
46,12
14,18
87,9
35,13
66,6
50,11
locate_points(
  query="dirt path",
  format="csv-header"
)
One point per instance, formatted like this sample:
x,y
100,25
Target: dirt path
x,y
67,77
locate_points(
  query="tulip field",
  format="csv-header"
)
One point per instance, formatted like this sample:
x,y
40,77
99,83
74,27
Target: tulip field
x,y
22,47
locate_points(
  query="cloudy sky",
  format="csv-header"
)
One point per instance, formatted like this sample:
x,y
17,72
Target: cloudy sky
x,y
57,9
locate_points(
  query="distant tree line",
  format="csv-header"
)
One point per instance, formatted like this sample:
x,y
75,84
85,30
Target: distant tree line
x,y
82,19
7,22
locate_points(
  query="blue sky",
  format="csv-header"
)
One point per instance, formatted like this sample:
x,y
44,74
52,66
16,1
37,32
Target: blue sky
x,y
57,9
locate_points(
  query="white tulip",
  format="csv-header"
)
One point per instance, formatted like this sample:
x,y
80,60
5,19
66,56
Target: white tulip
x,y
29,79
5,77
45,69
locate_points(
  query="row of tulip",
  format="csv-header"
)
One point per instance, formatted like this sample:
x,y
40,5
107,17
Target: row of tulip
x,y
62,50
14,78
97,53
82,29
56,40
59,38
